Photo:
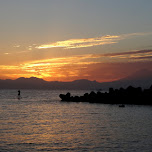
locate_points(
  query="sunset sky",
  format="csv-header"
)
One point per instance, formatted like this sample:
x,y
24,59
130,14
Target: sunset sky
x,y
66,40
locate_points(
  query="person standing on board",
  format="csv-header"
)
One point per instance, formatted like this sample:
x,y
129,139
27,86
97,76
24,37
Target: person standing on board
x,y
19,94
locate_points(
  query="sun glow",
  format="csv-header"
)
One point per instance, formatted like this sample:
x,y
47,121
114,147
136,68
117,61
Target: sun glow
x,y
49,69
71,67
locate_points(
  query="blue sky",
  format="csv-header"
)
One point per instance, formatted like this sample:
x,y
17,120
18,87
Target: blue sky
x,y
74,18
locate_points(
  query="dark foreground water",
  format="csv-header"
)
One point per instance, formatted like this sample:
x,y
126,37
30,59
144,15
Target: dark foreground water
x,y
40,122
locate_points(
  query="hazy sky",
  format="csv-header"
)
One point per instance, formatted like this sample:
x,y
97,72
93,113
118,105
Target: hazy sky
x,y
64,40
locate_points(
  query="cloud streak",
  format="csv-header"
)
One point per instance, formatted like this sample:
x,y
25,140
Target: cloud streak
x,y
90,42
130,53
80,43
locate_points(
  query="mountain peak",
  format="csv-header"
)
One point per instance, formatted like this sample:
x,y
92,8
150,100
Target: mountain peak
x,y
29,79
80,80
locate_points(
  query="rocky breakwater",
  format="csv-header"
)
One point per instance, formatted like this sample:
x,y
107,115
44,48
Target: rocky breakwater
x,y
130,95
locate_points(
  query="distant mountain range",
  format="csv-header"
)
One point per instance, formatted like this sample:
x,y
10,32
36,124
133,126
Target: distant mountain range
x,y
142,78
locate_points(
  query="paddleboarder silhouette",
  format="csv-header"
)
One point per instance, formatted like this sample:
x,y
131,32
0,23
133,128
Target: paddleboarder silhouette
x,y
19,94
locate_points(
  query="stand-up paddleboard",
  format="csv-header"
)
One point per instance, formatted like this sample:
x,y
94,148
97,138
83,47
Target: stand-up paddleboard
x,y
19,97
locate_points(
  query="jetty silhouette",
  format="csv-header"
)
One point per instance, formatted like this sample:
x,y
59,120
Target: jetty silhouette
x,y
130,95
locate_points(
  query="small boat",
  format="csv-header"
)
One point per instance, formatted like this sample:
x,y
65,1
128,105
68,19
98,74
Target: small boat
x,y
122,105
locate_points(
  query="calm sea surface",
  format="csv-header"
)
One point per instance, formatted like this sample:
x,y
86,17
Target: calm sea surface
x,y
40,122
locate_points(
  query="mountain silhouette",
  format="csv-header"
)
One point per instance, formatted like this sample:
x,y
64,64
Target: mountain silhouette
x,y
142,78
36,83
138,75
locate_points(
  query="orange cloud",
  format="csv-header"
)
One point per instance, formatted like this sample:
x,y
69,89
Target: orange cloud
x,y
89,42
88,66
49,69
79,43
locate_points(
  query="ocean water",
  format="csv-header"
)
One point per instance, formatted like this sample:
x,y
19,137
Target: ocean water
x,y
40,122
